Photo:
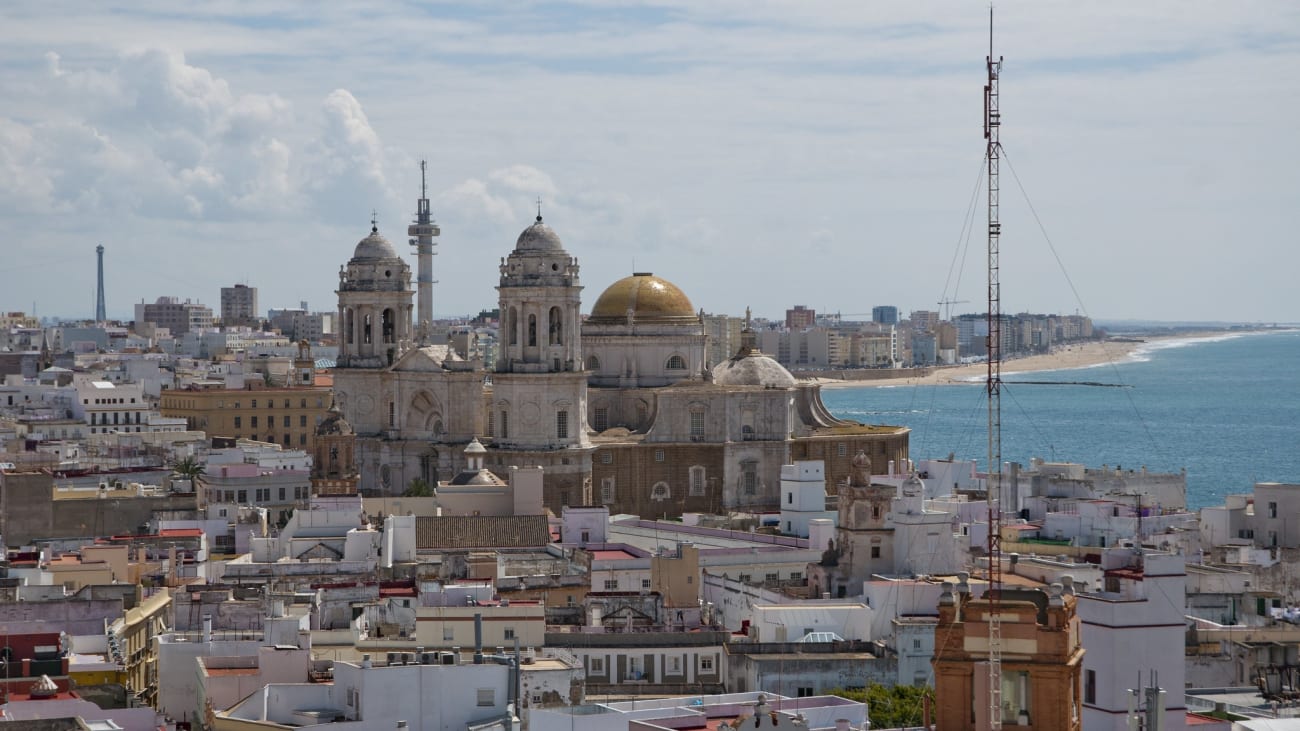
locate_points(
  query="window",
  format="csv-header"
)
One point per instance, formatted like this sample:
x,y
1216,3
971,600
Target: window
x,y
789,498
675,363
601,418
607,490
509,633
593,363
749,478
772,577
660,491
706,664
302,439
255,403
1015,697
486,697
697,423
796,576
675,665
302,404
505,425
875,551
597,665
392,414
242,496
611,584
448,634
1272,510
659,455
286,421
645,583
562,424
532,330
842,449
1089,686
282,494
916,643
606,457
697,480
252,421
745,578
805,692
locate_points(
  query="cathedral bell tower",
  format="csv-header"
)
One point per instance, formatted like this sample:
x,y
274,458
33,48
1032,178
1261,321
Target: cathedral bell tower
x,y
539,384
374,305
540,297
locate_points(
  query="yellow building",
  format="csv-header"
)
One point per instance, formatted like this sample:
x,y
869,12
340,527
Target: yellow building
x,y
132,644
286,416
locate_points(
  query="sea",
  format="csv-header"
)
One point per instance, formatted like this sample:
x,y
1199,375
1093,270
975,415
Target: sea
x,y
1225,408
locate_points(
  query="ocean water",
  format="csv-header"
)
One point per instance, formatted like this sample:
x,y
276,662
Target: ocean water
x,y
1226,409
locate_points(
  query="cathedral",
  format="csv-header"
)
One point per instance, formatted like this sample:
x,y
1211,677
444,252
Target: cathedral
x,y
620,408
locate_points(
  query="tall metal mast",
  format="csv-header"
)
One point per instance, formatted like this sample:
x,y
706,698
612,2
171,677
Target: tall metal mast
x,y
424,230
101,314
993,383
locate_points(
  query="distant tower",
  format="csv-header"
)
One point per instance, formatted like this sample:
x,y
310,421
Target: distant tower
x,y
100,315
424,230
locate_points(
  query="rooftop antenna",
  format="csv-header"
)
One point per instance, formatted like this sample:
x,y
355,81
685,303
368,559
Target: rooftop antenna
x,y
423,231
539,209
374,221
993,384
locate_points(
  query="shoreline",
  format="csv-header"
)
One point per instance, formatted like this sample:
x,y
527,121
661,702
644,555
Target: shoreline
x,y
1074,356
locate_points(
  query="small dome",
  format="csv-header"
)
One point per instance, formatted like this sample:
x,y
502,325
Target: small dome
x,y
333,423
374,246
539,237
475,447
755,369
649,298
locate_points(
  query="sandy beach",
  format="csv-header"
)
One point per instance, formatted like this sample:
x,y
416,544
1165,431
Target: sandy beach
x,y
1074,355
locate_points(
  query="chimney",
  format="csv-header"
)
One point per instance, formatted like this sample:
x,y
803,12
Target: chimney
x,y
478,639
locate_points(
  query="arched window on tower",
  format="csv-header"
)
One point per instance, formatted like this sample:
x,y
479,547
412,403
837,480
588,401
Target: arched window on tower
x,y
676,363
556,327
532,331
512,325
351,327
593,363
366,327
389,325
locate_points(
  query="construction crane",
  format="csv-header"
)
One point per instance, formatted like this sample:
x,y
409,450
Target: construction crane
x,y
949,303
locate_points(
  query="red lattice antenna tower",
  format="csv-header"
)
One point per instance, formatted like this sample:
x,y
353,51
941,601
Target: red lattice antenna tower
x,y
993,384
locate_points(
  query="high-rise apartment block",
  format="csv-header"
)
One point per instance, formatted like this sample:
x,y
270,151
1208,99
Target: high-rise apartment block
x,y
800,317
178,317
884,314
239,305
923,320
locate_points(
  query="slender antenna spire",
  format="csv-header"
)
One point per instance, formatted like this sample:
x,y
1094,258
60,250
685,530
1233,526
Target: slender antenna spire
x,y
539,209
374,220
424,189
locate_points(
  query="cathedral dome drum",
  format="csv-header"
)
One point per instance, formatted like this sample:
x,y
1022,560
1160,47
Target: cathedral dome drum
x,y
646,298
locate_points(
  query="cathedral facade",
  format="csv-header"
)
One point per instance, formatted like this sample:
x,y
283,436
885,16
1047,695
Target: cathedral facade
x,y
621,408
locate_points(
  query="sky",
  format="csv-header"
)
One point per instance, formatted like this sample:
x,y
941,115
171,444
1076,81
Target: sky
x,y
757,154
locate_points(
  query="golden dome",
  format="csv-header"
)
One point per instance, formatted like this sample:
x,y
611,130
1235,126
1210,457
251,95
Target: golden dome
x,y
647,297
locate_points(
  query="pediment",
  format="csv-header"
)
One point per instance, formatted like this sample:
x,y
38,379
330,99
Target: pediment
x,y
427,359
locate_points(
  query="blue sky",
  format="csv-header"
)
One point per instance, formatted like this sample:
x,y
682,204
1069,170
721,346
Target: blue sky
x,y
759,154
